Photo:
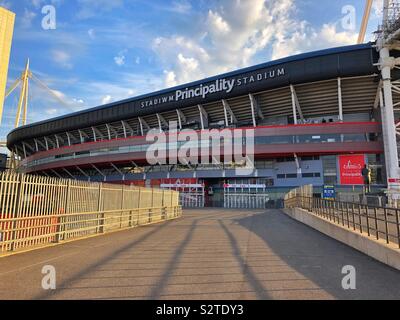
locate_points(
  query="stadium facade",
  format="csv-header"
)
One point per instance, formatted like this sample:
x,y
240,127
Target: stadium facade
x,y
316,119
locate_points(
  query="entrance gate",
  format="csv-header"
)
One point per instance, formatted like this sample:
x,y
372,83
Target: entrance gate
x,y
245,196
190,195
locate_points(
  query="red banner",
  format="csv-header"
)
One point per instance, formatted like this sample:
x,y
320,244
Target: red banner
x,y
350,167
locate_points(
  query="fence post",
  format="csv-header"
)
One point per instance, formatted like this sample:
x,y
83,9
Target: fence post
x,y
152,205
328,208
122,205
342,212
163,208
386,225
367,216
99,208
139,206
376,224
172,205
61,221
325,209
17,209
130,215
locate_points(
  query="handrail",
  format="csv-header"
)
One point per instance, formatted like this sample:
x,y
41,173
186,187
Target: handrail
x,y
374,221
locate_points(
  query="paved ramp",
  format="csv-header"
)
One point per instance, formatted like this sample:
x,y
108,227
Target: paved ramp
x,y
208,254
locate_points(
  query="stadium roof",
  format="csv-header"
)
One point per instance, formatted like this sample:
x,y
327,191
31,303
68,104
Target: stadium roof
x,y
326,64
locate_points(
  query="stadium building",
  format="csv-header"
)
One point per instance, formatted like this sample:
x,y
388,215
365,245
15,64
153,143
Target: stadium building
x,y
316,118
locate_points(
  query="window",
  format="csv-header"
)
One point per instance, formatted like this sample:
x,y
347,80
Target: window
x,y
286,159
330,180
311,175
287,176
309,158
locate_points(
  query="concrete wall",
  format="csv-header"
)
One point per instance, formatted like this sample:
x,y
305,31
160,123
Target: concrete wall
x,y
377,249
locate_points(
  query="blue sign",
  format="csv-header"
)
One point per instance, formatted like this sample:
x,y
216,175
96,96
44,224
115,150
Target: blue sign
x,y
329,192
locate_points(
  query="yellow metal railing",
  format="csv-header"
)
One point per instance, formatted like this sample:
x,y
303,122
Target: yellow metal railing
x,y
37,211
303,191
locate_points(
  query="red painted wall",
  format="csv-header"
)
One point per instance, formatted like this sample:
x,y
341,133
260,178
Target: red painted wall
x,y
350,167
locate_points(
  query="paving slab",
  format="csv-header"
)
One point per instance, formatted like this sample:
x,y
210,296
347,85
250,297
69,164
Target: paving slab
x,y
207,254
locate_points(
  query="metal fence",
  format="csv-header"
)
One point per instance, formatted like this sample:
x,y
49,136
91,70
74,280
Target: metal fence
x,y
304,191
38,211
374,221
246,197
192,199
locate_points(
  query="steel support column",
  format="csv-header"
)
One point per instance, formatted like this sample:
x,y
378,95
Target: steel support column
x,y
293,105
203,116
388,123
340,100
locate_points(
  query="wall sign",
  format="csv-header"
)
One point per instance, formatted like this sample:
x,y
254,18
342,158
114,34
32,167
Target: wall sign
x,y
350,167
329,193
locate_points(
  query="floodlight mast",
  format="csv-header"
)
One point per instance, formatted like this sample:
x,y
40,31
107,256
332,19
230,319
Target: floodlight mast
x,y
364,23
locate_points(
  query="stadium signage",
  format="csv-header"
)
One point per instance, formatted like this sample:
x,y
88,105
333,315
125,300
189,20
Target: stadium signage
x,y
350,169
225,85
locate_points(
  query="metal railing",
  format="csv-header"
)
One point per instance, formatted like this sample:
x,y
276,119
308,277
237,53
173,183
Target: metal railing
x,y
375,221
37,211
305,191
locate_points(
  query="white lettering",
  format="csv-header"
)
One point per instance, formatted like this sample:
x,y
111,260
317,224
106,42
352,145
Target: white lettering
x,y
220,85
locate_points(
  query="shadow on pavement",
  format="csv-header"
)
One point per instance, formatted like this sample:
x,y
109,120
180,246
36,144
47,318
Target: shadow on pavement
x,y
320,258
155,229
248,274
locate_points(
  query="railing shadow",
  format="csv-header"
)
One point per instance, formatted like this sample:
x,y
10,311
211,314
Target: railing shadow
x,y
320,259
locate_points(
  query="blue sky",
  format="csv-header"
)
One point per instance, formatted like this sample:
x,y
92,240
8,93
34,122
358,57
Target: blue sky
x,y
103,50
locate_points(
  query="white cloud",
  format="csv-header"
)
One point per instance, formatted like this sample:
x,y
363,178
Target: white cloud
x,y
37,3
137,60
377,8
27,18
307,38
230,37
125,85
62,58
183,53
182,7
170,78
51,111
78,101
91,33
217,24
91,8
119,60
106,99
241,33
59,94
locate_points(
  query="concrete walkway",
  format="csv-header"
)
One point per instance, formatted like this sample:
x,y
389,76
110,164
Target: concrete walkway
x,y
208,254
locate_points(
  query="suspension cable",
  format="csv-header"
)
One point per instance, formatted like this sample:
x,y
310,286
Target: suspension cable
x,y
44,86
